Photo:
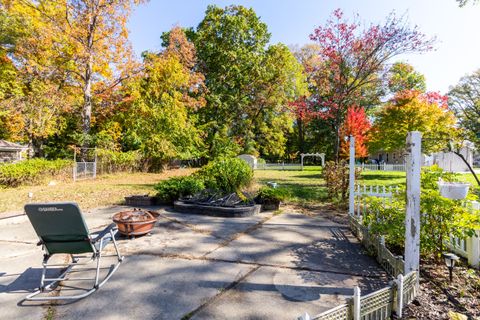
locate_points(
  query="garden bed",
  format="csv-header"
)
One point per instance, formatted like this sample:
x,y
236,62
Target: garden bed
x,y
438,296
216,211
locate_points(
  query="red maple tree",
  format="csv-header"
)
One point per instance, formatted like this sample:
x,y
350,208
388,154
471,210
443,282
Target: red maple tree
x,y
357,125
353,62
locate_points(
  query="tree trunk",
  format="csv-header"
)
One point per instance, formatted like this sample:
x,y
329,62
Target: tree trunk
x,y
337,143
87,88
87,106
301,136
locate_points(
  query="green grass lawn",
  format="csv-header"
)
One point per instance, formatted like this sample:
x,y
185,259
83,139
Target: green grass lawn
x,y
392,178
382,178
302,187
308,186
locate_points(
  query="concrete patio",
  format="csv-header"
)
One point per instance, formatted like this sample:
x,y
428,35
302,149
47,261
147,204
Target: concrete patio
x,y
197,267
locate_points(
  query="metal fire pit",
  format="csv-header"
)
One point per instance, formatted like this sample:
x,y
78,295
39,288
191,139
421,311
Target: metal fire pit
x,y
135,222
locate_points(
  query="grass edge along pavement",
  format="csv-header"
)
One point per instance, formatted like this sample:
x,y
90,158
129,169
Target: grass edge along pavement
x,y
105,190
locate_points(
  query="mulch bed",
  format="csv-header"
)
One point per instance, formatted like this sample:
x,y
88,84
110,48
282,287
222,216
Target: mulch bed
x,y
438,296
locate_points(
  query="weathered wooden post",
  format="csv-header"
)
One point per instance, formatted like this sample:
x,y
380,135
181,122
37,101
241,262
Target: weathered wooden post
x,y
412,217
351,181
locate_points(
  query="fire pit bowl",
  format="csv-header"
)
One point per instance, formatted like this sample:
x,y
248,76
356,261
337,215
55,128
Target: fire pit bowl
x,y
135,222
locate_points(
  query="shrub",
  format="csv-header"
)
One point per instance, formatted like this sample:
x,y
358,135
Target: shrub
x,y
336,179
31,171
226,175
269,194
440,218
115,161
176,187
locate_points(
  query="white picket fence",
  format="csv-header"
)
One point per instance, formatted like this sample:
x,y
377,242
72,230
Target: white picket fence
x,y
378,305
279,166
382,167
381,304
362,192
468,248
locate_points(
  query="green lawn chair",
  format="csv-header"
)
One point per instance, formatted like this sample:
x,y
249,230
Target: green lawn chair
x,y
62,229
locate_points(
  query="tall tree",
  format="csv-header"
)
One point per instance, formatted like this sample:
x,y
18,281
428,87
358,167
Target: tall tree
x,y
164,99
402,76
353,61
247,82
413,111
281,81
464,99
33,90
84,41
308,56
230,43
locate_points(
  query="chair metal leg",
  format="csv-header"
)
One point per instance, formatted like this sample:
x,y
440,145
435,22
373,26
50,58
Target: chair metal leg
x,y
63,277
120,257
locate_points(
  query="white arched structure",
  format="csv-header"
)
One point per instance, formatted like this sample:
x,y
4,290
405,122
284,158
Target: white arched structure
x,y
321,155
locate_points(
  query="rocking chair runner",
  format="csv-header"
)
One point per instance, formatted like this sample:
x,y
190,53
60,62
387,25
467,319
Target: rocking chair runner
x,y
62,229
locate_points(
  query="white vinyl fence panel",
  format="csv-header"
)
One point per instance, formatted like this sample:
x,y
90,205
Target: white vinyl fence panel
x,y
382,167
468,248
279,166
362,192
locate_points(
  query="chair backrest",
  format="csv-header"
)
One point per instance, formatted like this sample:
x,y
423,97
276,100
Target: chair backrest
x,y
60,226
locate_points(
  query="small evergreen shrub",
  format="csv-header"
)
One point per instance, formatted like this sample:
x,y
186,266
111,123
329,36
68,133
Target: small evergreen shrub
x,y
226,175
32,171
172,189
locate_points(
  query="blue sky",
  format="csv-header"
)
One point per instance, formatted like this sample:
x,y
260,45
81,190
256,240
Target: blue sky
x,y
457,29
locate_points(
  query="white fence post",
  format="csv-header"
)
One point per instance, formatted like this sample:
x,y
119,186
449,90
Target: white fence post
x,y
356,303
412,218
399,282
306,316
473,250
351,196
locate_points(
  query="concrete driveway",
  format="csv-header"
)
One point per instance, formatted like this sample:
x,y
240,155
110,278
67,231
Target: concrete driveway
x,y
198,267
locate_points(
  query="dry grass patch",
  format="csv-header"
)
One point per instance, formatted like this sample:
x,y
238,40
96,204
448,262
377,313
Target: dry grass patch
x,y
104,191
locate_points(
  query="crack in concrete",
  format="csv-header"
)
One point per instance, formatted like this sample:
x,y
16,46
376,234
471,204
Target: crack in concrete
x,y
17,241
221,292
237,235
251,263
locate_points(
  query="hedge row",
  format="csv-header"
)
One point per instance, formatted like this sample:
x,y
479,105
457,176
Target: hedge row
x,y
31,171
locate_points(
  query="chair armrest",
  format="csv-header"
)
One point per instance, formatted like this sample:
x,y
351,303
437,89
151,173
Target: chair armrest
x,y
104,232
